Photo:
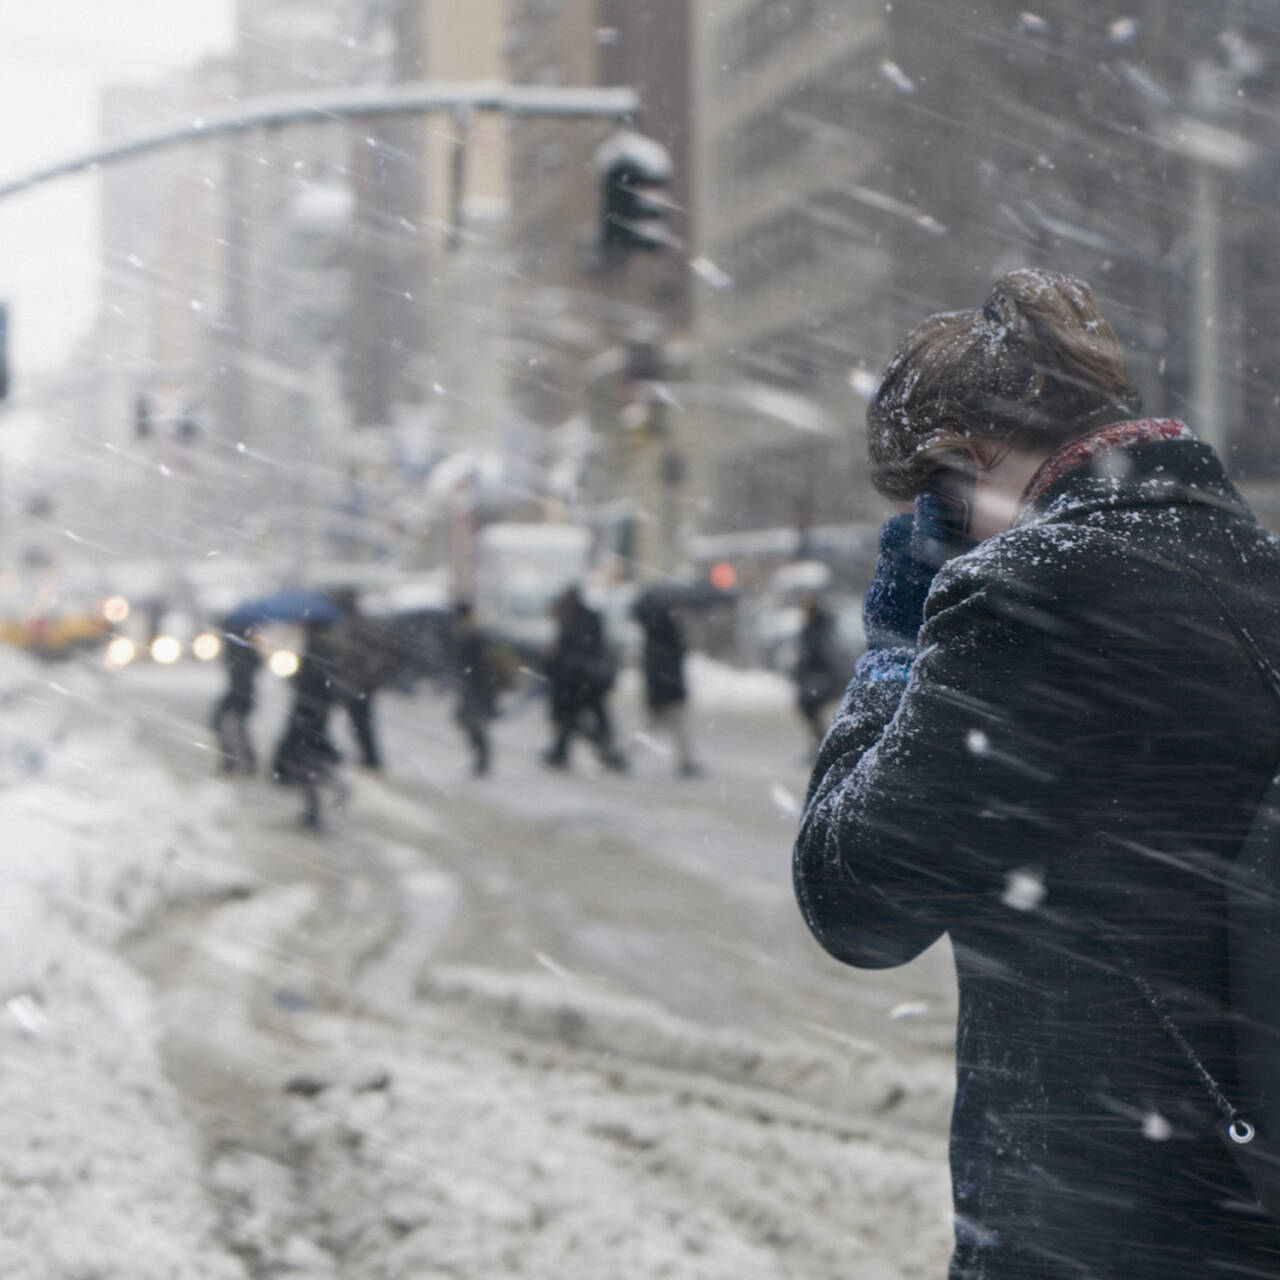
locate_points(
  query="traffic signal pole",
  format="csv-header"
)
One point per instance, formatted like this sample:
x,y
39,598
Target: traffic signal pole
x,y
354,103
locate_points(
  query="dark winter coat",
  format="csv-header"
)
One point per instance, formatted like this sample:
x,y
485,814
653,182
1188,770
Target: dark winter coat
x,y
817,673
664,651
580,667
242,660
476,676
366,654
305,752
1074,752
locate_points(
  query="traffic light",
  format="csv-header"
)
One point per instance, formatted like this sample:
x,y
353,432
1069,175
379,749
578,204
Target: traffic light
x,y
635,172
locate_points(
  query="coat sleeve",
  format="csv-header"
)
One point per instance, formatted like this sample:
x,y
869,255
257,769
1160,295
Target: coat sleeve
x,y
937,772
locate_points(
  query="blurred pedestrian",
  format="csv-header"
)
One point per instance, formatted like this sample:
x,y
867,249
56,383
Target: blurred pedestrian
x,y
363,660
818,674
231,714
580,672
1051,751
478,677
305,756
665,690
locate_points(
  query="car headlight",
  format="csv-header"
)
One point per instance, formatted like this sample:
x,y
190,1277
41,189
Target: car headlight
x,y
283,663
120,652
206,646
115,609
166,649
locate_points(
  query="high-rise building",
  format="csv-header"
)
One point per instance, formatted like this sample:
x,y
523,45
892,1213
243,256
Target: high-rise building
x,y
863,165
163,274
327,264
1134,148
793,255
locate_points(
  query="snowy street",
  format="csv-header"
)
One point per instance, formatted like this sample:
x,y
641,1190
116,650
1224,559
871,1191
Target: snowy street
x,y
388,385
533,1024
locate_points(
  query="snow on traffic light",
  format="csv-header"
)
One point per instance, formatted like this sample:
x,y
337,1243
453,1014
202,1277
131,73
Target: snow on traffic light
x,y
635,173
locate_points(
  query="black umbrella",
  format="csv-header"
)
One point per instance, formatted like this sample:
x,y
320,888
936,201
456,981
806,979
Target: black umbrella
x,y
679,594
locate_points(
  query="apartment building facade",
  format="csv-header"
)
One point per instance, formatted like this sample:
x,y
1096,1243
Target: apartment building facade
x,y
792,233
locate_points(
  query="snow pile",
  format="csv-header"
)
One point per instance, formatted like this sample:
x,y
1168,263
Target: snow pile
x,y
859,1079
528,1125
448,1149
98,1173
713,684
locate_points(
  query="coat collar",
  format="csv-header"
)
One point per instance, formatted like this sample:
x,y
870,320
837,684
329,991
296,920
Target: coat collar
x,y
1139,463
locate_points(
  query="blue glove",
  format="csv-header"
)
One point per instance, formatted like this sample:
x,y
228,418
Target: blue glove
x,y
912,549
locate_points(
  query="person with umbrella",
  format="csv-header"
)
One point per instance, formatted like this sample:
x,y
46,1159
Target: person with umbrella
x,y
241,629
304,755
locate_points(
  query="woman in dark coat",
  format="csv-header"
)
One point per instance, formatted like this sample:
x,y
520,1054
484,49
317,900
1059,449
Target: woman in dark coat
x,y
580,672
475,671
305,756
1050,753
665,692
816,671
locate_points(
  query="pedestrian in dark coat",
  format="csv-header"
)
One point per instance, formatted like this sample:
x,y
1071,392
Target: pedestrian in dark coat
x,y
818,678
305,756
477,678
231,714
666,694
1051,752
364,658
580,672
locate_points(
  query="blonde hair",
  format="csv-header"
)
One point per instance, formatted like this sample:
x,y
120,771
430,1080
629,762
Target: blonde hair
x,y
1035,366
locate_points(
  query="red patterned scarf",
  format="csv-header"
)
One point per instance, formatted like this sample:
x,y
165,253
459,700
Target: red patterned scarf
x,y
1115,435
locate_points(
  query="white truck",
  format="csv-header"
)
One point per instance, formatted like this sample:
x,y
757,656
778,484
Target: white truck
x,y
520,569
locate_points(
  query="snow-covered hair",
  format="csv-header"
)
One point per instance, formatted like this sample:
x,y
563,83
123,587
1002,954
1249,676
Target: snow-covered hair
x,y
1035,366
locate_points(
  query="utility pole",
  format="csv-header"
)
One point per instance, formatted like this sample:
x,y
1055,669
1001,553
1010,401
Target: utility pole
x,y
1216,153
1206,230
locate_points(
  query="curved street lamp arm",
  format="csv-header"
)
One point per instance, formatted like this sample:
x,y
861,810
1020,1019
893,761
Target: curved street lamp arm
x,y
355,102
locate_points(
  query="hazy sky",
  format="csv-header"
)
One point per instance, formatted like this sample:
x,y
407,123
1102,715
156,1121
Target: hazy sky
x,y
54,57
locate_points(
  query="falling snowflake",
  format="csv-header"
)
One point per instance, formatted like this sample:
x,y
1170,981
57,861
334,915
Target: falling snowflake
x,y
864,382
1156,1127
785,800
1023,889
908,1009
897,77
709,272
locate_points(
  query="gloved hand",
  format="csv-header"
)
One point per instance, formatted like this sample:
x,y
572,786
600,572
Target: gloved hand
x,y
913,547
